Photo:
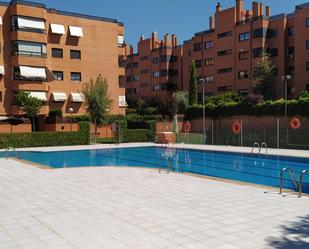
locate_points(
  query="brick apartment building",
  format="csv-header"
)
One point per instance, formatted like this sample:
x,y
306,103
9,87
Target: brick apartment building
x,y
226,53
155,70
52,53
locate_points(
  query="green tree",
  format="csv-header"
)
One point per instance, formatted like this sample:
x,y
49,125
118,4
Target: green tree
x,y
193,95
180,102
28,105
263,76
97,100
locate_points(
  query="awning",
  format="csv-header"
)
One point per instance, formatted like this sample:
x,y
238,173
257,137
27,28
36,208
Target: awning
x,y
76,31
120,40
1,70
30,23
59,97
1,22
57,29
32,72
77,97
3,118
122,101
38,95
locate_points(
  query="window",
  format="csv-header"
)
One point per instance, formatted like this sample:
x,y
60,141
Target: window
x,y
76,76
209,62
75,54
29,24
244,36
58,75
128,65
291,31
144,71
165,58
156,88
225,34
243,74
273,52
264,32
129,78
156,74
172,73
155,60
169,87
198,63
197,47
144,58
209,44
174,58
225,70
164,72
244,55
291,53
32,49
307,44
0,96
307,66
131,91
291,70
189,53
307,22
257,52
120,41
57,53
225,52
224,88
144,84
135,65
135,77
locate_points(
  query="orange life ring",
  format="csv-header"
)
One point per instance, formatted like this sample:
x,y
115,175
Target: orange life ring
x,y
187,127
295,123
236,127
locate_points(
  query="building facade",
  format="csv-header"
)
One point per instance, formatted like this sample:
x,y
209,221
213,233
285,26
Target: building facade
x,y
227,51
155,70
51,54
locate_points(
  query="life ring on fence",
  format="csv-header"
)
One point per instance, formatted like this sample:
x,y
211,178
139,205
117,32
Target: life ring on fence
x,y
295,123
187,127
236,127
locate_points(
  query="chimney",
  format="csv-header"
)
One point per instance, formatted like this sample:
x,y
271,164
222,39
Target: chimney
x,y
255,9
162,44
142,38
218,8
131,50
211,22
247,14
173,40
268,11
167,39
261,9
239,10
176,41
154,37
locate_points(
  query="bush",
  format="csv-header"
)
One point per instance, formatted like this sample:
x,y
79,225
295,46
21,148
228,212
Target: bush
x,y
41,139
136,135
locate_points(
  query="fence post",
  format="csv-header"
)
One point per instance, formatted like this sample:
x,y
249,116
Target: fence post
x,y
278,133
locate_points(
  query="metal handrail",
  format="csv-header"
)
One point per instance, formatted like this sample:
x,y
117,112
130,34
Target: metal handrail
x,y
7,150
291,175
254,146
300,187
265,146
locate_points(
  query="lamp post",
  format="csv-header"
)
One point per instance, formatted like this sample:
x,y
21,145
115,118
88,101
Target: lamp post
x,y
204,81
71,110
285,79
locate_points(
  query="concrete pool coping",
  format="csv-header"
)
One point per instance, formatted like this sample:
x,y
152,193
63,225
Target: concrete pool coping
x,y
217,148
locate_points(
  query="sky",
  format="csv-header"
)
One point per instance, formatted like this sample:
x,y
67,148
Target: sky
x,y
182,17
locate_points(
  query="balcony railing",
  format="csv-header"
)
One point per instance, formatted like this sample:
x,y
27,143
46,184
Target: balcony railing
x,y
30,54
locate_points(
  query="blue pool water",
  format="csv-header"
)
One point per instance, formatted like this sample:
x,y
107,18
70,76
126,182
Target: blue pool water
x,y
263,170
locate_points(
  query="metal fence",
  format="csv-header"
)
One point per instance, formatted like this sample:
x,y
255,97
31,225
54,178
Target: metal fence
x,y
277,133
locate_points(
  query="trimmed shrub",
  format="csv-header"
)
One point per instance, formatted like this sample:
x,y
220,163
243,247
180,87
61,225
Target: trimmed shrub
x,y
41,139
136,135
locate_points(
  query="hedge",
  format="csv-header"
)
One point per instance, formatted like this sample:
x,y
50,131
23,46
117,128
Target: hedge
x,y
271,108
135,135
41,139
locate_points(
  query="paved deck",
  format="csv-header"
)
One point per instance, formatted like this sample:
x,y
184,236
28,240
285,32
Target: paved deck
x,y
133,208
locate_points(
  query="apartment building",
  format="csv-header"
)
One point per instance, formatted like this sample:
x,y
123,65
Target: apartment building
x,y
225,54
155,70
51,54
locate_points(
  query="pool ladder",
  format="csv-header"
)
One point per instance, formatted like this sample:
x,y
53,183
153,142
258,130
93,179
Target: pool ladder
x,y
8,149
257,145
298,185
171,158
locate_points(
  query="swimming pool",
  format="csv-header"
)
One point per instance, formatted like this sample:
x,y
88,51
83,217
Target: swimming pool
x,y
264,170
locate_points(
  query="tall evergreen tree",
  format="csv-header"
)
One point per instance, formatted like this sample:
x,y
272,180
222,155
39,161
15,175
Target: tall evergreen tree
x,y
263,77
193,95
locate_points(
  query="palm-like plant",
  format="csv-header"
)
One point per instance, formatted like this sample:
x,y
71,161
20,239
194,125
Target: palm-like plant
x,y
97,101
